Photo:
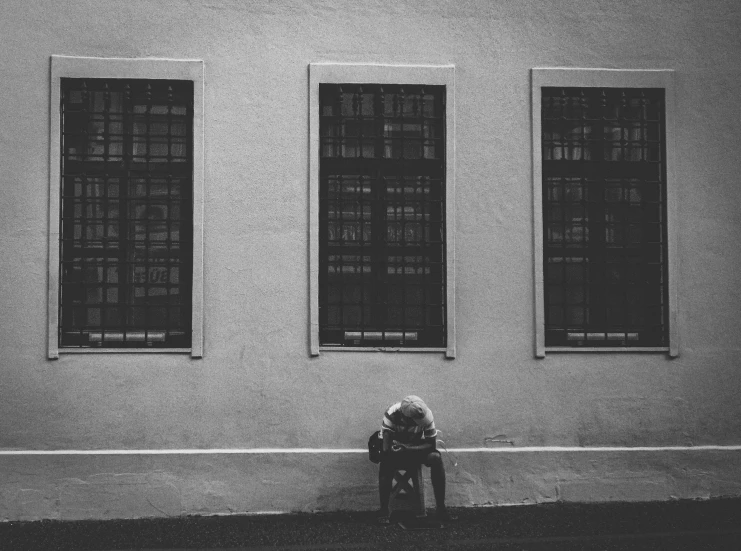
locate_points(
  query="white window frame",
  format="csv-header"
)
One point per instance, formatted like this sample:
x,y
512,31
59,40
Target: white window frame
x,y
90,67
340,73
603,78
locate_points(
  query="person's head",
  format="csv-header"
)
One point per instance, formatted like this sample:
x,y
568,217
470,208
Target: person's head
x,y
414,408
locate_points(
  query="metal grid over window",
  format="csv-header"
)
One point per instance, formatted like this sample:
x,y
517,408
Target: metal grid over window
x,y
604,210
382,215
126,221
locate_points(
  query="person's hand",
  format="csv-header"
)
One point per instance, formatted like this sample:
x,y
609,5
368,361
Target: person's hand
x,y
398,446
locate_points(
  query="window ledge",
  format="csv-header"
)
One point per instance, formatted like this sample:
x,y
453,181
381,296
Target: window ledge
x,y
125,351
378,349
664,349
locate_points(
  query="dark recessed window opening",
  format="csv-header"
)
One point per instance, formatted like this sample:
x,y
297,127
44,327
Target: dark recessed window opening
x,y
126,244
604,217
382,215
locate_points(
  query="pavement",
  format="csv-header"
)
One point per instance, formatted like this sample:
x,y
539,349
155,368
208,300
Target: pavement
x,y
675,525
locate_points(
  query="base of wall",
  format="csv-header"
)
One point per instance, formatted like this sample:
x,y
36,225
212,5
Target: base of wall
x,y
108,485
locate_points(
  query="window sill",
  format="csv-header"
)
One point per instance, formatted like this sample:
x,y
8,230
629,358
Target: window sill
x,y
124,351
664,349
325,348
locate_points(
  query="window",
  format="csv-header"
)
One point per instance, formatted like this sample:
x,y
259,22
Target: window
x,y
383,191
126,183
605,271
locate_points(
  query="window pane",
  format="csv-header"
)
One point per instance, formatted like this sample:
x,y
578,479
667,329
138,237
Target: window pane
x,y
126,245
381,216
604,217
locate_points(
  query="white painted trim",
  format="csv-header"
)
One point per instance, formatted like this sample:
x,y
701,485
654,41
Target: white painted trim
x,y
93,67
55,192
663,349
65,351
672,217
604,78
450,210
537,198
293,451
379,349
313,212
379,74
600,449
199,181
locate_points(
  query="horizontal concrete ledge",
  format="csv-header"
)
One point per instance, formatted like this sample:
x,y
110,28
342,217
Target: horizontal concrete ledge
x,y
137,483
277,451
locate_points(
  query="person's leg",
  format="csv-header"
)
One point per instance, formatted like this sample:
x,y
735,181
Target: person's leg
x,y
385,478
437,474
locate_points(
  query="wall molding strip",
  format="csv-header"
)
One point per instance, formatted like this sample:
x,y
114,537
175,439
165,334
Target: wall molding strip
x,y
276,451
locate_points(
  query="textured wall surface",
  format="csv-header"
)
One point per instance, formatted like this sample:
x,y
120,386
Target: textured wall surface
x,y
257,387
111,486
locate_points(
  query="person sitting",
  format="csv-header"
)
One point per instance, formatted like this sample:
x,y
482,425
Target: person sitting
x,y
409,436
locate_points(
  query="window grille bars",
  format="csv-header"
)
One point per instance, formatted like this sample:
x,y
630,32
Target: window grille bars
x,y
604,208
126,220
382,215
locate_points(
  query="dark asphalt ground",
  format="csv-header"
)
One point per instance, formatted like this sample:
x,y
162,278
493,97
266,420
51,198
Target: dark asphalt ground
x,y
677,525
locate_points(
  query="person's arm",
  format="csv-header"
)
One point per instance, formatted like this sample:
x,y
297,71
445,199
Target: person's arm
x,y
388,440
428,444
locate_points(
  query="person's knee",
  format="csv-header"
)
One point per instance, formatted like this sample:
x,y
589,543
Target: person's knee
x,y
434,460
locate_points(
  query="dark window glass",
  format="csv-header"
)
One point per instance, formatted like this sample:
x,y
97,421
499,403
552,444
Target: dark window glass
x,y
126,220
604,217
382,215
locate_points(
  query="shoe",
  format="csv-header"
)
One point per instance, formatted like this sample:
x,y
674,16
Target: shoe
x,y
443,515
383,518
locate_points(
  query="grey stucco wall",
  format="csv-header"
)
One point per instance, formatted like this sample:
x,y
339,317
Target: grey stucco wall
x,y
256,386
